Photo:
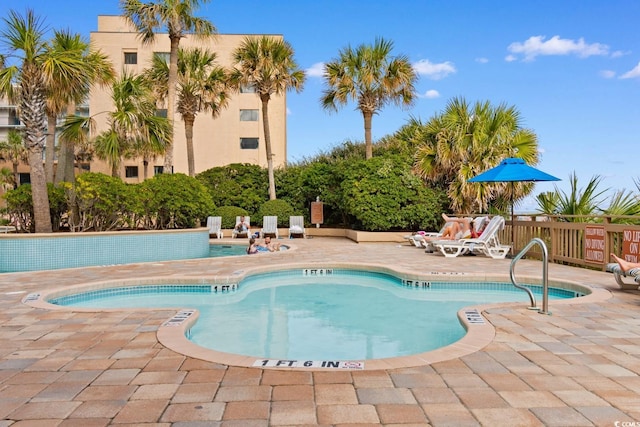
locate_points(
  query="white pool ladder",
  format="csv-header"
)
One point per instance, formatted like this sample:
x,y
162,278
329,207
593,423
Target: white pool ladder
x,y
545,275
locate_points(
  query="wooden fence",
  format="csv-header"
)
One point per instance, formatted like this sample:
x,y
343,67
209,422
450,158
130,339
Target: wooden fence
x,y
587,243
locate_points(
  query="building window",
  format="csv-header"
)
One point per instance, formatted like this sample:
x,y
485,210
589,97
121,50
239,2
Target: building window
x,y
163,55
157,170
24,177
14,119
131,171
162,112
248,89
130,58
248,143
86,167
248,115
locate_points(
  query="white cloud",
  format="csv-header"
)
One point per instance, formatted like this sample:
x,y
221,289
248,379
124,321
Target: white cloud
x,y
482,60
288,111
607,74
510,58
634,73
316,70
434,71
430,94
619,53
537,45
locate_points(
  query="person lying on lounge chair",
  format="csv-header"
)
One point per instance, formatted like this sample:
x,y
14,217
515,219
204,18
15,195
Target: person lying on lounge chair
x,y
458,228
625,265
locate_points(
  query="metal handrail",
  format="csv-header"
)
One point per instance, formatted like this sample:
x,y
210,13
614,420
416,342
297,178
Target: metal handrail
x,y
545,275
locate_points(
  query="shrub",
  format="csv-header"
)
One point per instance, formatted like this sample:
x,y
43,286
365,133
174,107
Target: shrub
x,y
237,184
229,214
382,194
20,207
279,208
98,202
176,201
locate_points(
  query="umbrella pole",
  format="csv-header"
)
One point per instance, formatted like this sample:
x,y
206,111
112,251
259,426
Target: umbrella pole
x,y
513,225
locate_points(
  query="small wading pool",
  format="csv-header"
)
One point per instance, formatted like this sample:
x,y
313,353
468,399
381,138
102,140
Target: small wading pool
x,y
319,314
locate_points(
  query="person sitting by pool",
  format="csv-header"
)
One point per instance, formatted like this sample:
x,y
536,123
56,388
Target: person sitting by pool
x,y
624,264
242,226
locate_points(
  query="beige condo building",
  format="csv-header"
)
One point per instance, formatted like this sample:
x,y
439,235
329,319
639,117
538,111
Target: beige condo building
x,y
235,136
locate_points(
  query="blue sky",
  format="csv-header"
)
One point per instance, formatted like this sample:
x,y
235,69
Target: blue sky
x,y
572,68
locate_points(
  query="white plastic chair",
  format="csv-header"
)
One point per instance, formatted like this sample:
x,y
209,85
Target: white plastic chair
x,y
270,226
296,227
214,224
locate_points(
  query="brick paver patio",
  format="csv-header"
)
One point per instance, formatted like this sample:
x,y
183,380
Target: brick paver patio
x,y
579,366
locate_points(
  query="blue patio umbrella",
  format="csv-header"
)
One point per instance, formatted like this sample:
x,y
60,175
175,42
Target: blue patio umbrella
x,y
513,169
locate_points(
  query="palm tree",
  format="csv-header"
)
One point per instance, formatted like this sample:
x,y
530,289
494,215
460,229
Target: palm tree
x,y
134,127
13,150
372,78
27,82
266,64
202,86
579,201
465,141
176,16
66,91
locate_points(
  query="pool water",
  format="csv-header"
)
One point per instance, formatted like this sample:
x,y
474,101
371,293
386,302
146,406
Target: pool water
x,y
346,315
227,250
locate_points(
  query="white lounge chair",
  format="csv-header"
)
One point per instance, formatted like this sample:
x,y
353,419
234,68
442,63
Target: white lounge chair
x,y
419,240
487,244
614,267
237,233
296,227
424,240
270,226
214,224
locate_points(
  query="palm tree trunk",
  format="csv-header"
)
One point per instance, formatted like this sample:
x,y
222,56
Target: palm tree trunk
x,y
367,134
66,156
39,195
50,147
16,175
32,114
145,168
188,132
171,102
267,145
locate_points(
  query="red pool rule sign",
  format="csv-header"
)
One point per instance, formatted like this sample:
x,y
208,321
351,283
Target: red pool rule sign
x,y
594,244
630,245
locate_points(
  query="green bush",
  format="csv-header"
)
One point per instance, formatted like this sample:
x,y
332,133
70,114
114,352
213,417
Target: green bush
x,y
229,214
20,207
99,202
383,194
237,184
176,201
279,208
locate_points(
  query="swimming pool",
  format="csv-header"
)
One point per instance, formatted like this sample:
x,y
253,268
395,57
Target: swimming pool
x,y
318,314
35,252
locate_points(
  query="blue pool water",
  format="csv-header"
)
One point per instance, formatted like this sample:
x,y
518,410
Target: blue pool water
x,y
346,314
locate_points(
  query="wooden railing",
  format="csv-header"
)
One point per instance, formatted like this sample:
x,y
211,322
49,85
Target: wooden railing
x,y
566,240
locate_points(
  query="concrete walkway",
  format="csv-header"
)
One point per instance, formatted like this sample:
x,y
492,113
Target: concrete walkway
x,y
579,366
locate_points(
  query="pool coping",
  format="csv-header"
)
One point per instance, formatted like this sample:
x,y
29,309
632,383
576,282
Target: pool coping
x,y
172,333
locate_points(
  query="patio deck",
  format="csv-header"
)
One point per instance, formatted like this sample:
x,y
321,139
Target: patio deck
x,y
579,366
